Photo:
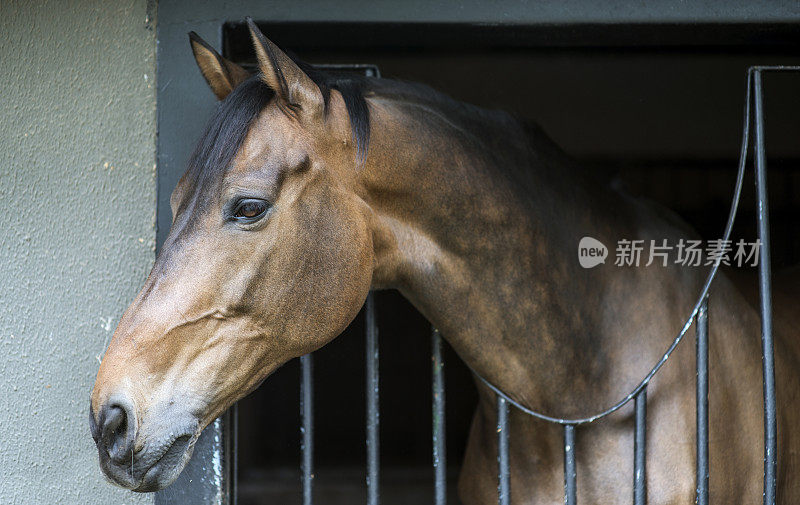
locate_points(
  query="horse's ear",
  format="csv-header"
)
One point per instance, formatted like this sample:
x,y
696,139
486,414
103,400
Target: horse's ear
x,y
294,89
222,75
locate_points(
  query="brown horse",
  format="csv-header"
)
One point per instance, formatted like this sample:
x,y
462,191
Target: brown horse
x,y
307,190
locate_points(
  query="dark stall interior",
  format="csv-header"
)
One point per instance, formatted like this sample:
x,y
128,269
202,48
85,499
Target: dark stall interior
x,y
659,106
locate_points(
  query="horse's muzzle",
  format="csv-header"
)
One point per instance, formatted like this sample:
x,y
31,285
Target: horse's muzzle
x,y
157,461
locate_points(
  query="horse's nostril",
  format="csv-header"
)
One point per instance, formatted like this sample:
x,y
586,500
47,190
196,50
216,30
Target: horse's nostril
x,y
116,431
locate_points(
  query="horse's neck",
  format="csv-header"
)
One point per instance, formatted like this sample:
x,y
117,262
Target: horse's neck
x,y
481,234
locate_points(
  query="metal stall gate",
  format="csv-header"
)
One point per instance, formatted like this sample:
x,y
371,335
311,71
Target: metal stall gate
x,y
699,315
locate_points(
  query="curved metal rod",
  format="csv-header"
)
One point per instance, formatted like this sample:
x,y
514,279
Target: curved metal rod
x,y
711,274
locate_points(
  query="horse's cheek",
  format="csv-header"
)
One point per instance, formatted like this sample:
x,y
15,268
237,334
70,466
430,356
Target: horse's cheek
x,y
348,266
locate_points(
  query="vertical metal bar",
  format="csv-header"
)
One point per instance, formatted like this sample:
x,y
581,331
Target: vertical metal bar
x,y
570,475
702,468
307,427
503,479
231,443
764,277
439,431
640,450
373,408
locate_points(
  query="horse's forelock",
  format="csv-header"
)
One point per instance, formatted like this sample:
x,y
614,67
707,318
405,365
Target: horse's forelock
x,y
226,130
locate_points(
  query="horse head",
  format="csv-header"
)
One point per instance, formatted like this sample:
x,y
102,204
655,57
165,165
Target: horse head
x,y
269,257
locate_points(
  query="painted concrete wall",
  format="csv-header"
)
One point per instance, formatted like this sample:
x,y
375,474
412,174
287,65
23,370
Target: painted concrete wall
x,y
77,232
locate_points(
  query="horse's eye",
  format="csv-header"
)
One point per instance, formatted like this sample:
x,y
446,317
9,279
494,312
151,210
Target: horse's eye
x,y
249,209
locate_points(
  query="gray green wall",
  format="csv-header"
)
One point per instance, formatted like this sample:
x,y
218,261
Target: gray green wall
x,y
77,233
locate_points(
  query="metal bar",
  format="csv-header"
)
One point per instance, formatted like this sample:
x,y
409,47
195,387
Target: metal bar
x,y
373,408
764,277
231,442
570,475
702,464
503,479
640,450
439,430
307,427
